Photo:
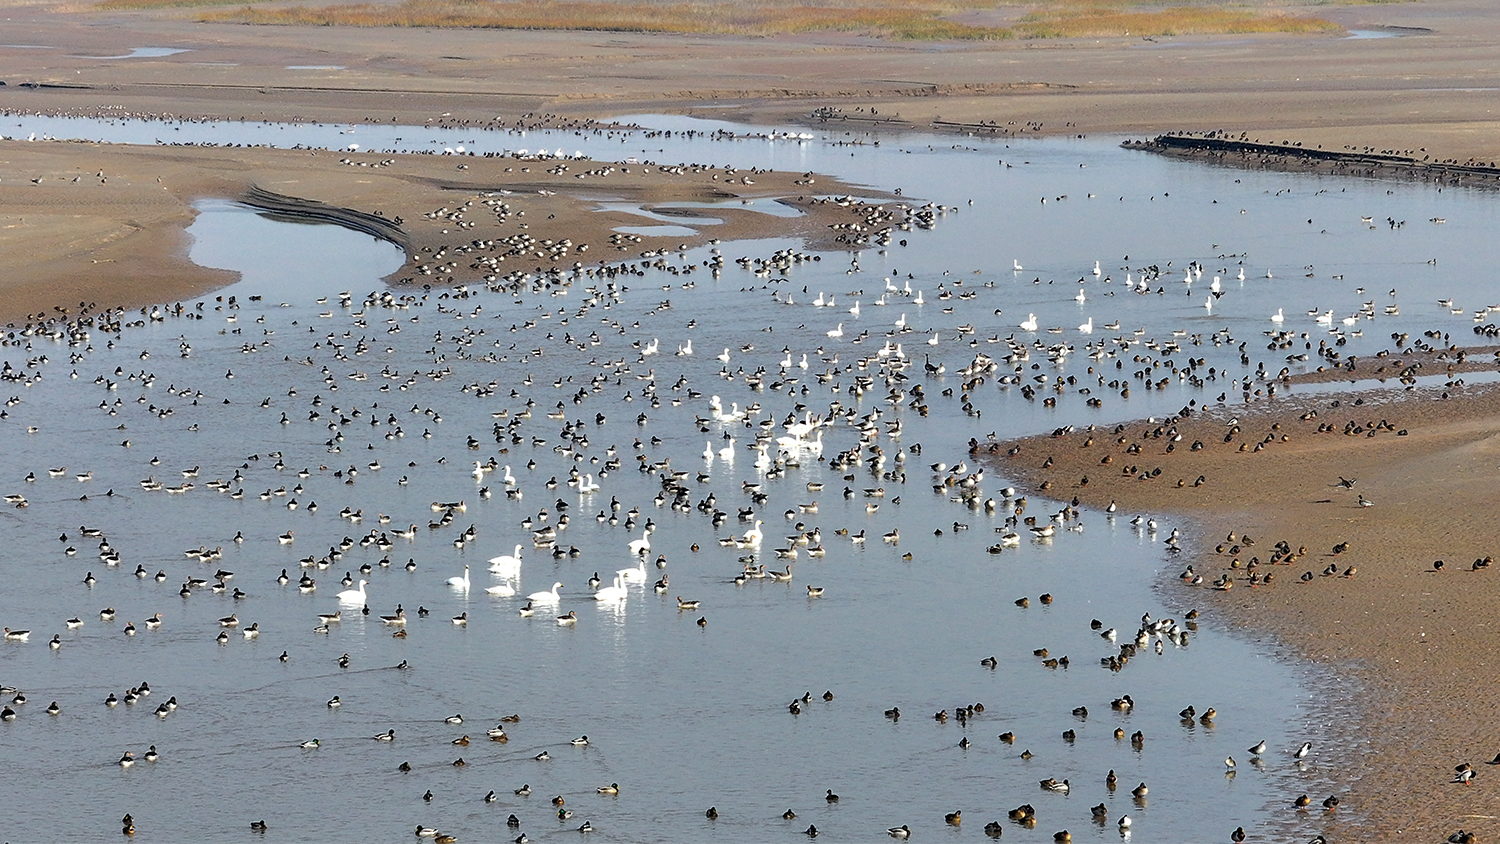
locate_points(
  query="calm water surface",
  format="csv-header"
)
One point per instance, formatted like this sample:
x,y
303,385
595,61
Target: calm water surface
x,y
681,716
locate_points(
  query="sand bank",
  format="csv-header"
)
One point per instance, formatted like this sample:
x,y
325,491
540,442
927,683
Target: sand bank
x,y
104,224
1367,491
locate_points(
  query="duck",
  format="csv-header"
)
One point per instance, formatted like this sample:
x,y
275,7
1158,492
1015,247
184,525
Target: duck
x,y
903,831
311,744
612,788
568,620
1061,787
581,741
527,611
954,818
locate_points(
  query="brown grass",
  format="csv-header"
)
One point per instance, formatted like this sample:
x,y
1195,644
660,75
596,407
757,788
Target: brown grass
x,y
1109,19
924,20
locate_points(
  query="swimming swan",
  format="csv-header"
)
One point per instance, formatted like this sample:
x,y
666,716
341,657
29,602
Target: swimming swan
x,y
460,582
550,597
354,596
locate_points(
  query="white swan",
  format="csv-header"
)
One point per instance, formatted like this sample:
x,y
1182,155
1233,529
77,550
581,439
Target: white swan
x,y
616,592
1277,317
708,452
588,486
460,582
1088,326
837,332
354,596
1030,323
550,597
753,536
507,563
635,575
642,545
504,590
1080,298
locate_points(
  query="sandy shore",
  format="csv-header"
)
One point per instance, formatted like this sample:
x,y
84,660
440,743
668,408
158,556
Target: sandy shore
x,y
91,223
104,224
1357,588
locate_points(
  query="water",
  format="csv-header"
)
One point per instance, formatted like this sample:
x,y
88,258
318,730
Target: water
x,y
683,717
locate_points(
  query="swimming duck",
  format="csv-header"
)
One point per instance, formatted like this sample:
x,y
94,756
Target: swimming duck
x,y
426,831
903,831
953,818
581,741
612,788
1050,784
311,744
388,735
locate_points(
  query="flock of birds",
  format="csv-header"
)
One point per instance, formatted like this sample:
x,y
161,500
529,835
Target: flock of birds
x,y
844,395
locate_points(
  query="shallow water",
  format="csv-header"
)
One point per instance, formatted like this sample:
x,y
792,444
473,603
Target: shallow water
x,y
682,717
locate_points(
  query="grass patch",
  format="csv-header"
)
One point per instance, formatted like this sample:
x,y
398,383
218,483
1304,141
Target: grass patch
x,y
1104,19
916,20
923,21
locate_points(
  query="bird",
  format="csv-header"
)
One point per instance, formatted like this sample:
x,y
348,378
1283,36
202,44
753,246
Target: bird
x,y
1258,749
548,597
460,583
903,831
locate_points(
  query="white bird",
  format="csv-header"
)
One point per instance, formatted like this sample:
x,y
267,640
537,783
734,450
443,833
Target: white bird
x,y
642,545
616,592
1015,265
1030,323
1088,326
635,575
1080,298
724,358
837,332
1096,268
1277,317
708,452
549,597
507,563
354,596
855,310
503,590
460,582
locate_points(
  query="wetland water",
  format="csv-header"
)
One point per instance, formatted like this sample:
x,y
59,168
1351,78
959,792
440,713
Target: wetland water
x,y
384,399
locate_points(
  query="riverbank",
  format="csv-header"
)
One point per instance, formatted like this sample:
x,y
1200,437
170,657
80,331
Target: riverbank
x,y
1354,529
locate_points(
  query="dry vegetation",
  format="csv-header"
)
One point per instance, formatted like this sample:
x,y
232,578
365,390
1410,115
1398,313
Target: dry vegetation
x,y
925,20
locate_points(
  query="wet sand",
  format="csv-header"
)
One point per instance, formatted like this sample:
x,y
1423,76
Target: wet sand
x,y
1414,638
104,224
1360,591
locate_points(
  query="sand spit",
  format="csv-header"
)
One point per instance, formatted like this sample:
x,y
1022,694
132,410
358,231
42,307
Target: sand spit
x,y
104,224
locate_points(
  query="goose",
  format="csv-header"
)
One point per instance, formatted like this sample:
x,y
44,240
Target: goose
x,y
1030,323
354,596
549,597
507,563
460,582
17,635
567,621
615,592
686,605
